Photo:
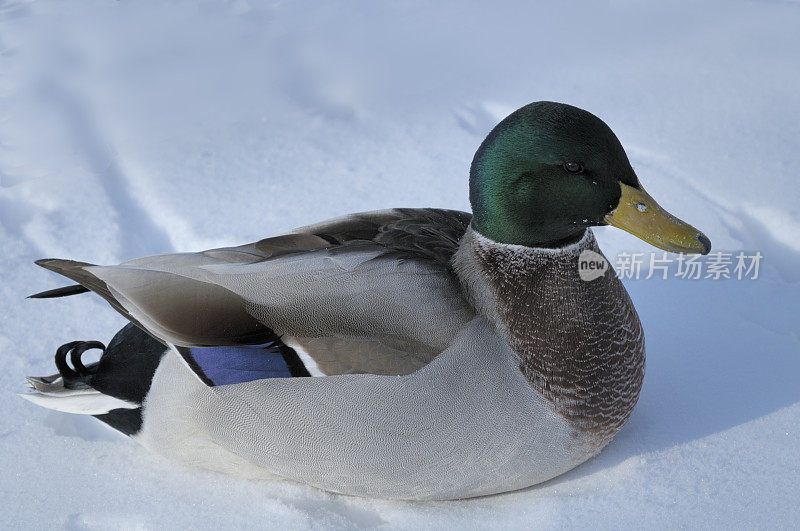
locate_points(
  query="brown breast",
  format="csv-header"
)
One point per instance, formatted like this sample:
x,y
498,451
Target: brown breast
x,y
579,343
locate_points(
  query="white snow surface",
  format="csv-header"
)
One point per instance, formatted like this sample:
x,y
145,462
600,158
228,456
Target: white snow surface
x,y
135,128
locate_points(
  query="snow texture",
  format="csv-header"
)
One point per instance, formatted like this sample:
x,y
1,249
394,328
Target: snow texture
x,y
134,128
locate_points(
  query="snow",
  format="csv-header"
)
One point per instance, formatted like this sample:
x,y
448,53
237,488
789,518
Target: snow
x,y
133,128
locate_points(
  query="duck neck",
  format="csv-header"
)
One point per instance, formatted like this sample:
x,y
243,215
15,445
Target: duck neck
x,y
578,342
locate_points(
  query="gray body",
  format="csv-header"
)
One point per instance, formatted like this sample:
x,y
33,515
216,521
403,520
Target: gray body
x,y
456,366
467,424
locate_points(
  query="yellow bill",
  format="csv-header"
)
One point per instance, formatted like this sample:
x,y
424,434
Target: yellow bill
x,y
639,214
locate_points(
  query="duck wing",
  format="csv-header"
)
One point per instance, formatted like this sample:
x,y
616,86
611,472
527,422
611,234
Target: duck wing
x,y
368,293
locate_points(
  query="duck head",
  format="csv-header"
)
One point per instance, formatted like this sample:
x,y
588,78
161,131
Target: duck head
x,y
549,171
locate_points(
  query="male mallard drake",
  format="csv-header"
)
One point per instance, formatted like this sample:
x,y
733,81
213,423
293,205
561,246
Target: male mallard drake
x,y
406,353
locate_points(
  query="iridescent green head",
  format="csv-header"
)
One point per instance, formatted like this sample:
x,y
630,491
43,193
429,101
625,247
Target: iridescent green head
x,y
549,170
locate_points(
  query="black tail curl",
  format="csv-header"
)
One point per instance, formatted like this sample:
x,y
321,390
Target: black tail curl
x,y
125,371
79,376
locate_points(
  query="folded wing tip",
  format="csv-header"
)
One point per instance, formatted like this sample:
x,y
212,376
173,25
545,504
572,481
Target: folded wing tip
x,y
49,263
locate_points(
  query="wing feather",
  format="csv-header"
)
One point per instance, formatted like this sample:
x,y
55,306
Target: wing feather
x,y
376,282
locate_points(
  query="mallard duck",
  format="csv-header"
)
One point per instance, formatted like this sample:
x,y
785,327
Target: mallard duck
x,y
405,353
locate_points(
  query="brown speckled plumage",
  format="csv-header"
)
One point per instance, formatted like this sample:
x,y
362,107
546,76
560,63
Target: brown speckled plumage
x,y
579,343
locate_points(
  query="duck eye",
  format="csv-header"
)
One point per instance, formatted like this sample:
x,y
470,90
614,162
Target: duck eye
x,y
573,167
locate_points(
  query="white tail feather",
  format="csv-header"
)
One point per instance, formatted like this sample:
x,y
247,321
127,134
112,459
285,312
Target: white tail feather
x,y
82,401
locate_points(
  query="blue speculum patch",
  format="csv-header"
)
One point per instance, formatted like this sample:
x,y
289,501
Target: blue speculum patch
x,y
232,365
